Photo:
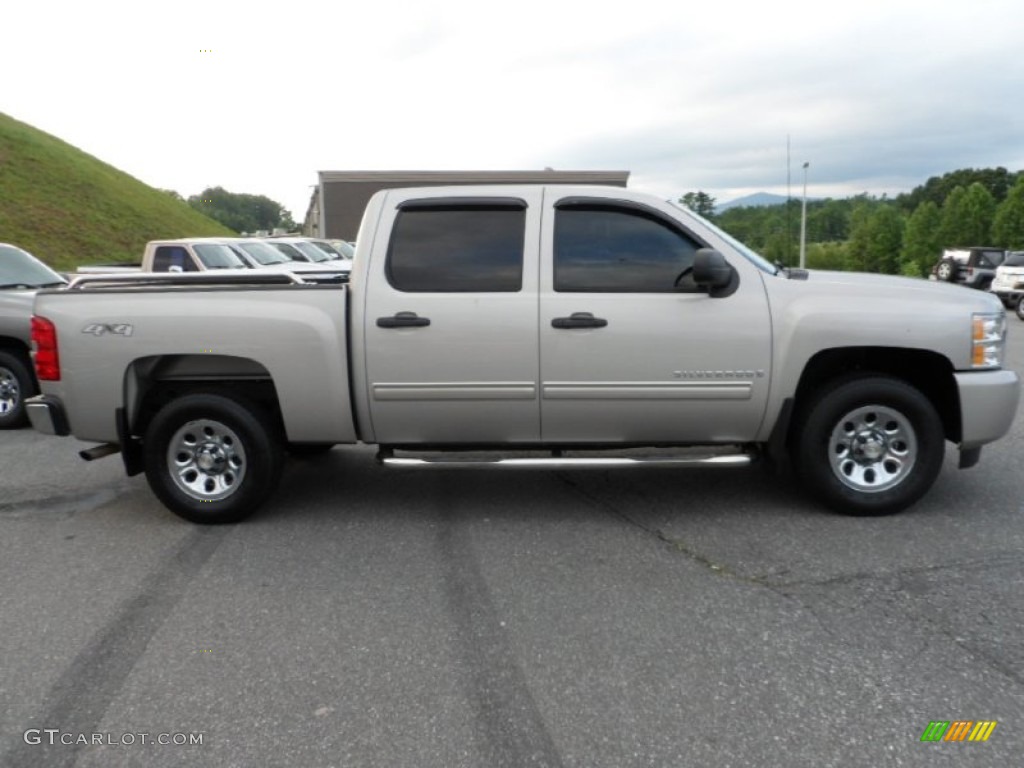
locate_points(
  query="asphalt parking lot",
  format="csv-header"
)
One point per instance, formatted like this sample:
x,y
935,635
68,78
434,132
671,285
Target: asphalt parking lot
x,y
371,618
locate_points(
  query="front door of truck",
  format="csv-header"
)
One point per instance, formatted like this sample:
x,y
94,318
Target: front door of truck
x,y
631,350
450,320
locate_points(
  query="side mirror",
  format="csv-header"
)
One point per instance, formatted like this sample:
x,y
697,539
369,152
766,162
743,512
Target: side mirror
x,y
712,271
176,269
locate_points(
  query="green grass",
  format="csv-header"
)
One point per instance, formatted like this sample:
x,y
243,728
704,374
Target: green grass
x,y
68,208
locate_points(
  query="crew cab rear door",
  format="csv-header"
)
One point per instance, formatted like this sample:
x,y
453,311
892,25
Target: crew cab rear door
x,y
450,321
632,350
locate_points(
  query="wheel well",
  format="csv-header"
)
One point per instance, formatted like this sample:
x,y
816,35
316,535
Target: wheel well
x,y
151,383
929,372
17,347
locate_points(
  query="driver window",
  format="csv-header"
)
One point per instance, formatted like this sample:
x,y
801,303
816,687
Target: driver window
x,y
607,249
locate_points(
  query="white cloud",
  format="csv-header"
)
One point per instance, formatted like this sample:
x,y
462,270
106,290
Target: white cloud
x,y
877,95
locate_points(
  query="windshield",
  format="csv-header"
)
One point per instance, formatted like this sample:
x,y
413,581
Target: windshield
x,y
312,252
18,268
748,253
263,253
330,250
216,256
288,251
1014,259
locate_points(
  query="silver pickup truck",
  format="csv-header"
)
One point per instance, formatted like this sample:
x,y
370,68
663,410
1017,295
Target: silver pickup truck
x,y
534,326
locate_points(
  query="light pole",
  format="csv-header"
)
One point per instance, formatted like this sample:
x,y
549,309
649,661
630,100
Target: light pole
x,y
803,224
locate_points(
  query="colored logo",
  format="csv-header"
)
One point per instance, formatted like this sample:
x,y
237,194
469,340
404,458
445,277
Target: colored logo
x,y
959,730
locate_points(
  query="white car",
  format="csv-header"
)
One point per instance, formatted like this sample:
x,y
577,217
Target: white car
x,y
311,250
259,254
1008,283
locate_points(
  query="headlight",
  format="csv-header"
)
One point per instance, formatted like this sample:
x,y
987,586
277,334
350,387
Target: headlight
x,y
988,339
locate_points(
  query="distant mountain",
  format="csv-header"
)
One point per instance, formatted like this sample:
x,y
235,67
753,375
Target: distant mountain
x,y
68,208
756,200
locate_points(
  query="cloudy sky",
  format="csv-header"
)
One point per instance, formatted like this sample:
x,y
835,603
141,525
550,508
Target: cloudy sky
x,y
255,96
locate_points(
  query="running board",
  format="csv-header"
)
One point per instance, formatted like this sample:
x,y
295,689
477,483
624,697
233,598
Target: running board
x,y
563,462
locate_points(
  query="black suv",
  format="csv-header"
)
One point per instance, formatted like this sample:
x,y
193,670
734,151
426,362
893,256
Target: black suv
x,y
974,267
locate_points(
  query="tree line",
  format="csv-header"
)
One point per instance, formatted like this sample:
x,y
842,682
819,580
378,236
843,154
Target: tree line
x,y
240,211
901,235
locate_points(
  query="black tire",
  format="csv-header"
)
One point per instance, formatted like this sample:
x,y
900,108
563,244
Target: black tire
x,y
1020,307
228,459
869,445
946,271
16,385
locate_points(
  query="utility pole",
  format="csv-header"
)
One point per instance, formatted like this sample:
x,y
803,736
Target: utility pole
x,y
803,224
789,199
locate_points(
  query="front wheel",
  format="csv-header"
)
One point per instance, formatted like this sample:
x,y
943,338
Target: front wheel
x,y
211,459
870,445
1020,306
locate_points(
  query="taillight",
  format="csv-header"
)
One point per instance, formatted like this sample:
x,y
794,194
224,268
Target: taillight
x,y
44,337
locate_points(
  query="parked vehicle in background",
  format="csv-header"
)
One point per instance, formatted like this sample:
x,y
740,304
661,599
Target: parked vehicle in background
x,y
974,267
581,322
259,254
304,249
1008,284
327,247
186,254
345,248
21,275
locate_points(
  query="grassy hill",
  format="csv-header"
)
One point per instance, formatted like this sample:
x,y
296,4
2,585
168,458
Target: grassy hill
x,y
68,208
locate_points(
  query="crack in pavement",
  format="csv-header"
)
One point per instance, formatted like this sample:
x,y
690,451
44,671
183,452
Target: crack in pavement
x,y
766,580
782,588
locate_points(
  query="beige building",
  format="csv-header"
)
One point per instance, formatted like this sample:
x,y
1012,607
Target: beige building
x,y
336,207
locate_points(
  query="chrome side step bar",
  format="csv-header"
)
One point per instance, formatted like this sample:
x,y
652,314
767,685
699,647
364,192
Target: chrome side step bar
x,y
564,462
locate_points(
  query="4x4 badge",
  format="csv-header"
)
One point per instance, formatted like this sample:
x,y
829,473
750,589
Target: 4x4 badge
x,y
118,329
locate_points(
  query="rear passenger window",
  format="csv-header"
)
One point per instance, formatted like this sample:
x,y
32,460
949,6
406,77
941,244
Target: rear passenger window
x,y
606,249
991,259
458,248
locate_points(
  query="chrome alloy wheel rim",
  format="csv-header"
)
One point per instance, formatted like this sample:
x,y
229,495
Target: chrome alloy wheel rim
x,y
872,448
9,392
206,460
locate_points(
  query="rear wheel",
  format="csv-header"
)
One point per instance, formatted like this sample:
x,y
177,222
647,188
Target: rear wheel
x,y
16,384
946,270
870,445
212,459
1020,306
